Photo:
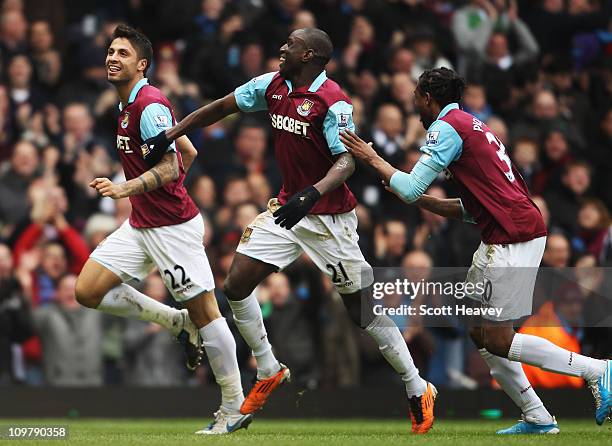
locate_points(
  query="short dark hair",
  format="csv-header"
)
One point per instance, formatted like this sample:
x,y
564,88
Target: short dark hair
x,y
320,42
443,84
140,42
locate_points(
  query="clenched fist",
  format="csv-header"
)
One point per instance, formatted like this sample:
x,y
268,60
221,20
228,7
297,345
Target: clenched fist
x,y
107,188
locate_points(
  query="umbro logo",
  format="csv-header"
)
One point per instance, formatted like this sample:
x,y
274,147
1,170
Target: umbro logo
x,y
277,96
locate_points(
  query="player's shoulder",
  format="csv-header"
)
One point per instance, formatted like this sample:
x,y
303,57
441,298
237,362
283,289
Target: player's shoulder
x,y
331,92
457,118
150,94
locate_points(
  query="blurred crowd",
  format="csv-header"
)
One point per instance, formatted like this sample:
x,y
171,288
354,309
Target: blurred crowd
x,y
539,74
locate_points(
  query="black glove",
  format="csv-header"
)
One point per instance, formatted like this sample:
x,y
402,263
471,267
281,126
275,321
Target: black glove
x,y
154,149
296,208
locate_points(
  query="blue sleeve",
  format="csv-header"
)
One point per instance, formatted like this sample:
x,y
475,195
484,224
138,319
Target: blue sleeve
x,y
251,97
443,144
339,118
411,186
155,118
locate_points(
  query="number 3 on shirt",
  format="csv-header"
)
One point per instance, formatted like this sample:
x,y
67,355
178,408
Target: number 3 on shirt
x,y
501,153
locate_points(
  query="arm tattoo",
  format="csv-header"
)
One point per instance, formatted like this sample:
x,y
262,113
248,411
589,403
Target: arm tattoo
x,y
165,171
144,184
338,174
158,179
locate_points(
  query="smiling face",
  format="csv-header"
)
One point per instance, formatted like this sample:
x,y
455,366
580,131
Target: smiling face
x,y
122,62
294,54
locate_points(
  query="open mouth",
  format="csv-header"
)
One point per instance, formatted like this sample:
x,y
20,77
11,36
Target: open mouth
x,y
282,59
113,69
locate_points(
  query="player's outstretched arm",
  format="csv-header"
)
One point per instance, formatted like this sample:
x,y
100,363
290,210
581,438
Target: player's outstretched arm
x,y
165,171
187,150
446,207
202,117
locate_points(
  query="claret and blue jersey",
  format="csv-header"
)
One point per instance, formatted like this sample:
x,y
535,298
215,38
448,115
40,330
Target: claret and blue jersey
x,y
492,191
147,113
307,122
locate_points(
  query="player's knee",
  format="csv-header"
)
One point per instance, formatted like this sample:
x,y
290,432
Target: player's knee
x,y
85,294
233,290
498,342
477,338
353,304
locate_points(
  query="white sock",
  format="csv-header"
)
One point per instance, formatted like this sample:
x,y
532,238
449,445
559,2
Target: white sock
x,y
249,321
220,347
512,379
393,347
542,353
125,301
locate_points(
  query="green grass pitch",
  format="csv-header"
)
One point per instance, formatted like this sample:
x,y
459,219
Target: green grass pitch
x,y
94,432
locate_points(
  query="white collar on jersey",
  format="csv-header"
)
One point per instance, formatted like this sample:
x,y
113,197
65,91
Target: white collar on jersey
x,y
141,83
448,108
316,84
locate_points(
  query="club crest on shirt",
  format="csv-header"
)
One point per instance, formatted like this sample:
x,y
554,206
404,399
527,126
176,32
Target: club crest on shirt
x,y
343,120
145,150
432,138
305,107
246,235
126,120
161,121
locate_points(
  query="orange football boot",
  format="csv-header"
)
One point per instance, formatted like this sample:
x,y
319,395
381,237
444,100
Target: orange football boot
x,y
262,389
422,410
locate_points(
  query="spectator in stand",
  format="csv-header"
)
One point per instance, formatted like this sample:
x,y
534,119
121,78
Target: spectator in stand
x,y
289,330
153,358
26,98
564,202
54,258
500,128
250,156
71,337
525,155
432,234
559,321
363,50
554,26
14,184
204,193
97,228
388,132
555,157
78,134
260,189
472,26
13,34
184,95
557,252
390,241
475,102
426,54
15,317
46,58
594,234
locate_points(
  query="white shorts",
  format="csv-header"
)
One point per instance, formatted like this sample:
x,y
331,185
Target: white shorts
x,y
511,271
329,240
177,251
